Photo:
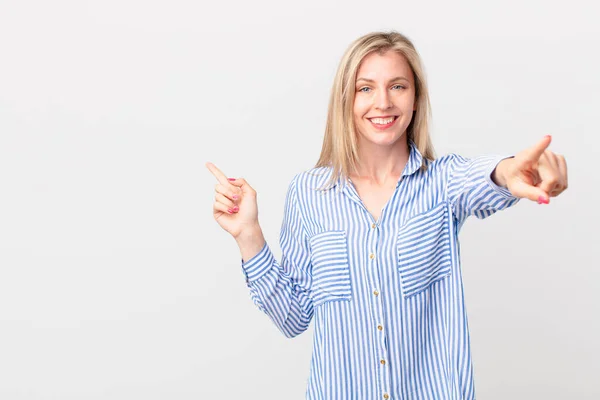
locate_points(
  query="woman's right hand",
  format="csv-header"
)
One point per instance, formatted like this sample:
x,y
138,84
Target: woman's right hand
x,y
234,220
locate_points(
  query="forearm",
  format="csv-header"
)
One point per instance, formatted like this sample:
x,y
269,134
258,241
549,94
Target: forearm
x,y
279,294
250,241
475,186
498,175
281,290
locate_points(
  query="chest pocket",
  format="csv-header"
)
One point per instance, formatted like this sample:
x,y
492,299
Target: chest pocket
x,y
424,254
330,268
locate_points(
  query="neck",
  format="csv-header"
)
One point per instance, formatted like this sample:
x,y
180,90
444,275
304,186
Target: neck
x,y
380,165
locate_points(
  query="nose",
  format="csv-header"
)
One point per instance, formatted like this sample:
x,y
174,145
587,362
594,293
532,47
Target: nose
x,y
383,101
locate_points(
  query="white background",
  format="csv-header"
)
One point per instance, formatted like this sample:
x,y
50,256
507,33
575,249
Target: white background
x,y
116,282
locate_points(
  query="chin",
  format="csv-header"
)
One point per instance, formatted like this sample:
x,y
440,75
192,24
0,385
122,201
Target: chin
x,y
382,139
385,136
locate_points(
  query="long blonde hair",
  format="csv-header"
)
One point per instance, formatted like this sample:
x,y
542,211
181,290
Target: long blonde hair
x,y
340,149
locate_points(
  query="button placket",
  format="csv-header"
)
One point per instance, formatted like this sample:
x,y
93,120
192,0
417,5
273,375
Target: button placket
x,y
372,267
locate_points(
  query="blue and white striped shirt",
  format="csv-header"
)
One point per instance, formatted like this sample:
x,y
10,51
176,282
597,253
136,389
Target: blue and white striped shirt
x,y
386,295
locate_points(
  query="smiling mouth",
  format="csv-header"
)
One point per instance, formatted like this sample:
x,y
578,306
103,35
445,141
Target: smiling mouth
x,y
383,123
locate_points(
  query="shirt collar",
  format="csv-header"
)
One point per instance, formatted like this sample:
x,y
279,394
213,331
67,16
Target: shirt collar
x,y
415,161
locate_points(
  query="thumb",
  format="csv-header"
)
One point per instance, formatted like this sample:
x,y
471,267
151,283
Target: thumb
x,y
535,152
242,184
533,193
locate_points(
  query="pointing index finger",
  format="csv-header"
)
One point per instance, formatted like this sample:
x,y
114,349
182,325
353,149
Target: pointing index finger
x,y
534,153
221,177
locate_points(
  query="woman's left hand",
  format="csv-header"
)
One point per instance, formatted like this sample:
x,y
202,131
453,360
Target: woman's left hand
x,y
534,173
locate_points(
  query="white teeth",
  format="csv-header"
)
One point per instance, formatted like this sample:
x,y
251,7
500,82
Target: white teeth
x,y
382,121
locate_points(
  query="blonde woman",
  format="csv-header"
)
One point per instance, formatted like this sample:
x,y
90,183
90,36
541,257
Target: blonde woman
x,y
369,238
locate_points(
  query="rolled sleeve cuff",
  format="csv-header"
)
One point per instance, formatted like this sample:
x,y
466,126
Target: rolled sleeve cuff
x,y
258,265
501,191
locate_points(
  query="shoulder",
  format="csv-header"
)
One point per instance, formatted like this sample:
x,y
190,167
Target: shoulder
x,y
436,166
445,162
312,179
447,159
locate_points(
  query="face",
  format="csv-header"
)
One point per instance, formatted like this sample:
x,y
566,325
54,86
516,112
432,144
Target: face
x,y
385,99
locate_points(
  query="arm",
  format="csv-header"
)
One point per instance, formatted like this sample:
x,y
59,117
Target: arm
x,y
498,176
280,289
485,185
471,189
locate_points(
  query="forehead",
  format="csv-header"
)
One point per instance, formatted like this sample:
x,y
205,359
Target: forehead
x,y
383,66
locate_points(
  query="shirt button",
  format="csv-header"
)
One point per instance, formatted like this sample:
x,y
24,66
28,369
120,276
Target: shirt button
x,y
386,396
380,327
371,256
376,293
382,362
373,226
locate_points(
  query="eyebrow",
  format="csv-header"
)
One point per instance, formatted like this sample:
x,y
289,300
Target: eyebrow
x,y
398,78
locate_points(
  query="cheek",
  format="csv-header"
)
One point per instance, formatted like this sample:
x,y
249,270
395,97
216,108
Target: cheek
x,y
411,101
360,109
405,101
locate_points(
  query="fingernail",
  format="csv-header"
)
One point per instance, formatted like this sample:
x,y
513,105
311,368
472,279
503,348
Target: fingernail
x,y
236,209
230,211
548,136
235,197
231,179
543,200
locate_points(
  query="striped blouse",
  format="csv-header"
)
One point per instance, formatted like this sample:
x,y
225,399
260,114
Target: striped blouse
x,y
386,295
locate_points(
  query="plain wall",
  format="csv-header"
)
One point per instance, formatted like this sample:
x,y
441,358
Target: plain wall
x,y
117,283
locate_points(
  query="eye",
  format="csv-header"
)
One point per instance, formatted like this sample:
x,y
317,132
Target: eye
x,y
399,86
362,89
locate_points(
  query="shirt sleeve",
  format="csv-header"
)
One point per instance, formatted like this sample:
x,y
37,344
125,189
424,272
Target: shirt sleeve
x,y
282,289
471,190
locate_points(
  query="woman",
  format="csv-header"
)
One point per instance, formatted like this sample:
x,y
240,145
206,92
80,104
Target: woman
x,y
370,235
